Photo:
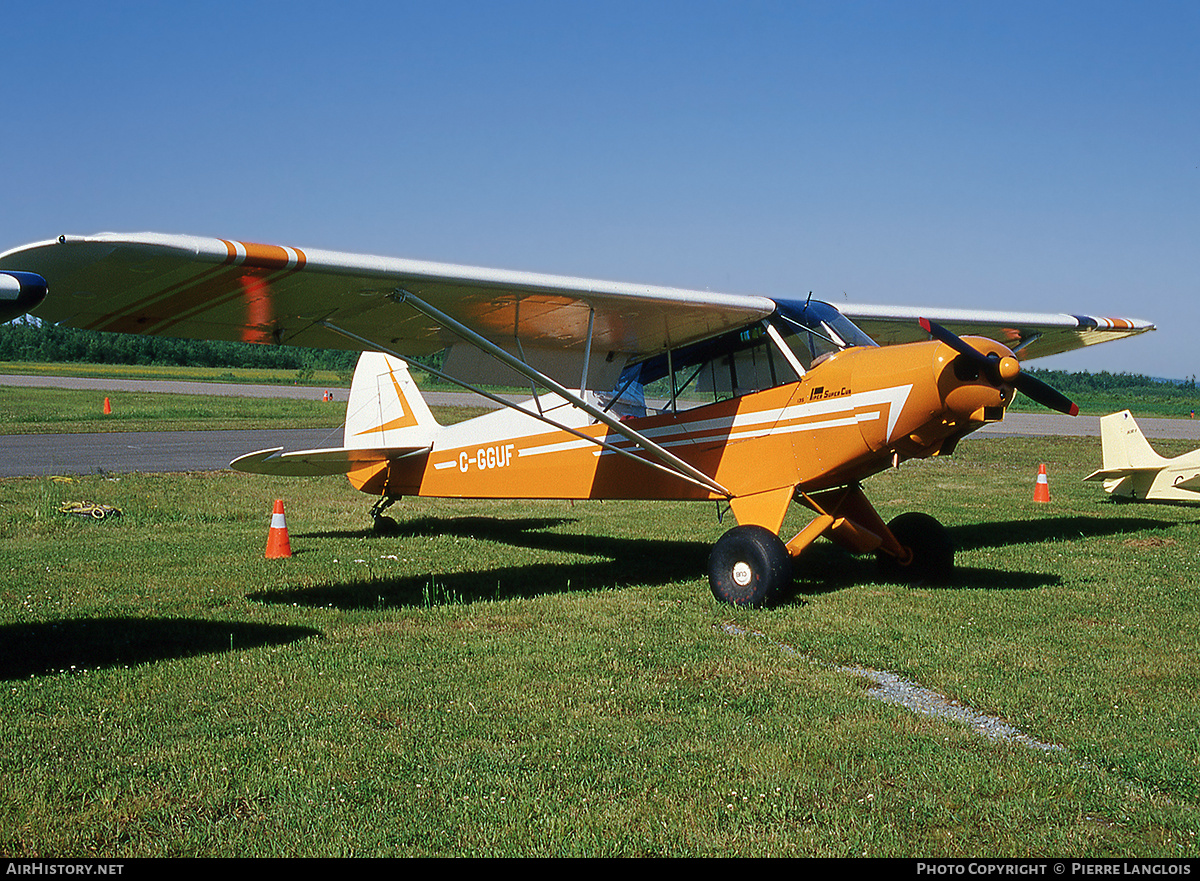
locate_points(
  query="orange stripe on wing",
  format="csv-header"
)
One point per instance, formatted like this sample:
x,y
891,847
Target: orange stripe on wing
x,y
264,256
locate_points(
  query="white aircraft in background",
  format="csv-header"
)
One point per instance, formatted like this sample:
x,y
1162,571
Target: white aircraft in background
x,y
1133,470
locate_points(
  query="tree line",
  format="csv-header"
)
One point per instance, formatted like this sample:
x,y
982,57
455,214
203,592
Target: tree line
x,y
1083,383
47,343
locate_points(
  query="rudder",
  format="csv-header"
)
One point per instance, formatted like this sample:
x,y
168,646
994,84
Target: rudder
x,y
386,410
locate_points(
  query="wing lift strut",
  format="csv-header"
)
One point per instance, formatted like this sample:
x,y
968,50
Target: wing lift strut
x,y
661,458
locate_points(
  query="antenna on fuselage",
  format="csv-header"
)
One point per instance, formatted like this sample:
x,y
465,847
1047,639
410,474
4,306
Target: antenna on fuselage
x,y
806,302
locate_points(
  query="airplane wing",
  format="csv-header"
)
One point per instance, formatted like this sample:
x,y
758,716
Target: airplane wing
x,y
209,288
1029,334
206,288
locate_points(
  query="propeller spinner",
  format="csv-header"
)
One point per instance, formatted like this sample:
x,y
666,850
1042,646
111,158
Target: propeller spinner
x,y
1006,369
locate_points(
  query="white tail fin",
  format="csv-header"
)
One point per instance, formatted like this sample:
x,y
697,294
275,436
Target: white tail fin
x,y
1125,447
385,419
386,410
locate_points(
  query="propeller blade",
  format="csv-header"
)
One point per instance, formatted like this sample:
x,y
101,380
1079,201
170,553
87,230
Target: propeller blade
x,y
1023,382
954,341
1044,394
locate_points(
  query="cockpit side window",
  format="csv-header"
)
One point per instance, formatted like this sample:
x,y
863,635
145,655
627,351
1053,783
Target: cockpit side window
x,y
746,360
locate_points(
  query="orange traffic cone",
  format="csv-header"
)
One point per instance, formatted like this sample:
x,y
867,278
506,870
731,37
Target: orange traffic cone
x,y
1041,489
107,406
277,539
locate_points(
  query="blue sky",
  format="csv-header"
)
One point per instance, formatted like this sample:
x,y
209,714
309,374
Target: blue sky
x,y
1030,156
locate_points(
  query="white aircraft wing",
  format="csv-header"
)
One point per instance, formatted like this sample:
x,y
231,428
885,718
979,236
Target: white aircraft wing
x,y
209,288
1028,334
206,288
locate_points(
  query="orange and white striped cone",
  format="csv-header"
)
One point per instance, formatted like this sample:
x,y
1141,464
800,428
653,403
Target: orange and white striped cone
x,y
278,544
1041,489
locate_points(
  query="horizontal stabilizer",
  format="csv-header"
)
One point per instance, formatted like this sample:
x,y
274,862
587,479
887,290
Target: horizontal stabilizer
x,y
1118,473
316,463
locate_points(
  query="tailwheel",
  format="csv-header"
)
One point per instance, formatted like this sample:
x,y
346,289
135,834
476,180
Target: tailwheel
x,y
930,551
749,566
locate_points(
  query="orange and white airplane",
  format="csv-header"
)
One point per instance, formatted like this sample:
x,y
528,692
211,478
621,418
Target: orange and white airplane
x,y
803,401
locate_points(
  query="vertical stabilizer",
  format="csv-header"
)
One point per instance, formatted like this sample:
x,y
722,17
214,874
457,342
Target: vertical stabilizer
x,y
1124,445
386,411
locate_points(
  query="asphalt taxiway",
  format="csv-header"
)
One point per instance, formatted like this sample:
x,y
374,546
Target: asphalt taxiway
x,y
172,451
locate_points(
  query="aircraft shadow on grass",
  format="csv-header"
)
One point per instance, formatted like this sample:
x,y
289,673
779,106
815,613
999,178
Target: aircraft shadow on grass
x,y
827,569
1006,533
77,645
617,562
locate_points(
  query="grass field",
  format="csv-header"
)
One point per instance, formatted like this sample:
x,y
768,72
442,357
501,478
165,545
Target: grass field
x,y
549,679
57,411
54,411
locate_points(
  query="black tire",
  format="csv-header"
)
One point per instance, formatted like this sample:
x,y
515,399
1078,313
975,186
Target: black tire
x,y
749,566
931,547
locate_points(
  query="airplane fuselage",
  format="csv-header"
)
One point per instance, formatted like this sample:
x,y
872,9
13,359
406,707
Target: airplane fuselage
x,y
852,415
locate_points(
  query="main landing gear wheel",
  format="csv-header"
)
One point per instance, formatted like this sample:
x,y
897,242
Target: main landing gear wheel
x,y
749,566
930,546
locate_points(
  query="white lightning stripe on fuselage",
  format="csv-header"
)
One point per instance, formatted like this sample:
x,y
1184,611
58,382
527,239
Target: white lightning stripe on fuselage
x,y
790,428
786,419
555,448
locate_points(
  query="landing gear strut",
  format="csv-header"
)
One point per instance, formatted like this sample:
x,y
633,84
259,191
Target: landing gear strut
x,y
749,566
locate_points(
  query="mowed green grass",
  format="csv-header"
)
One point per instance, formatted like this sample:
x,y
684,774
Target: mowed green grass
x,y
555,679
58,411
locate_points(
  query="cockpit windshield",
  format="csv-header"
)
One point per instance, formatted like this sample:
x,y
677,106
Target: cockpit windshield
x,y
819,327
